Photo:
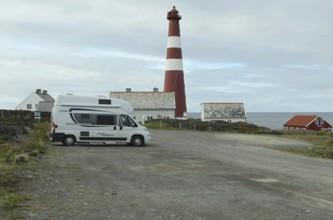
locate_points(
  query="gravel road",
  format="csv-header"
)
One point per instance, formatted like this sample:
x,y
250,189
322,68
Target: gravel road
x,y
182,175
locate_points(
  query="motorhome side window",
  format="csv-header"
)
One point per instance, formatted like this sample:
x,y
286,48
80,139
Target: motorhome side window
x,y
106,120
83,118
127,121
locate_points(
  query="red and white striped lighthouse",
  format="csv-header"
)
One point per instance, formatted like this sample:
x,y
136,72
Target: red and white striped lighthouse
x,y
174,75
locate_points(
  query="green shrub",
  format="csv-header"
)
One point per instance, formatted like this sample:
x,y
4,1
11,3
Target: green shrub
x,y
11,200
21,158
20,139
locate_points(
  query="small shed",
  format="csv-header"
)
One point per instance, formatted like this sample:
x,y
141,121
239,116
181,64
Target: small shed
x,y
307,122
223,111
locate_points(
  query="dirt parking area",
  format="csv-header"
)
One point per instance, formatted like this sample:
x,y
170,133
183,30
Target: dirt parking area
x,y
181,175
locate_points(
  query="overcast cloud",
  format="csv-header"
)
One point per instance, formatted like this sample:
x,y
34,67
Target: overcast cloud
x,y
272,55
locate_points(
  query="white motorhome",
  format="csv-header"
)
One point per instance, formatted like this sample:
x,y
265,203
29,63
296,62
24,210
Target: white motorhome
x,y
82,119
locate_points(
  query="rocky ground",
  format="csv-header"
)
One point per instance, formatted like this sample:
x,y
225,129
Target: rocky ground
x,y
181,175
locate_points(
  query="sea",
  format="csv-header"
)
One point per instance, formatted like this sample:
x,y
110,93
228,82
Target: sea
x,y
273,120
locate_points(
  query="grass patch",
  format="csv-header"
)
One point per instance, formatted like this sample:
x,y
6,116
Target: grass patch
x,y
322,144
30,145
15,153
162,125
10,200
198,125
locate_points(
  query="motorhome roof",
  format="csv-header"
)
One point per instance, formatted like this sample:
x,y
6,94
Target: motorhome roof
x,y
91,101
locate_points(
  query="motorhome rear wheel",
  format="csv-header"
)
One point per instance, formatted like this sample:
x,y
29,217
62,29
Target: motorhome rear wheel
x,y
69,140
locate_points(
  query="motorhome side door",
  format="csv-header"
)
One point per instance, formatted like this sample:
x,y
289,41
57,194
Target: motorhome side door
x,y
106,129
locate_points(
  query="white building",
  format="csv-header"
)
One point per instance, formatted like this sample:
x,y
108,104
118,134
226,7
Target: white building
x,y
39,100
223,111
149,105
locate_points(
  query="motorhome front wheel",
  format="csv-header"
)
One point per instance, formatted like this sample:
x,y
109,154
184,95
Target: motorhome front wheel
x,y
137,141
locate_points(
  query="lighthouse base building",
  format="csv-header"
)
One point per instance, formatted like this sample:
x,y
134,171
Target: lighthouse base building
x,y
149,105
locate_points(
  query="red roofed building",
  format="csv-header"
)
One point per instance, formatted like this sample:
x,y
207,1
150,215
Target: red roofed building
x,y
307,122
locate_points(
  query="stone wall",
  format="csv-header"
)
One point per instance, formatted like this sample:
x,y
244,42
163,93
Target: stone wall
x,y
232,112
147,100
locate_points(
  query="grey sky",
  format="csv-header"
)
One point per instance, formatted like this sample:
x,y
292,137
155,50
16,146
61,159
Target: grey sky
x,y
271,55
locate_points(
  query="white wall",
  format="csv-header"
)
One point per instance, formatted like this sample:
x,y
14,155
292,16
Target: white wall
x,y
229,112
33,99
154,114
